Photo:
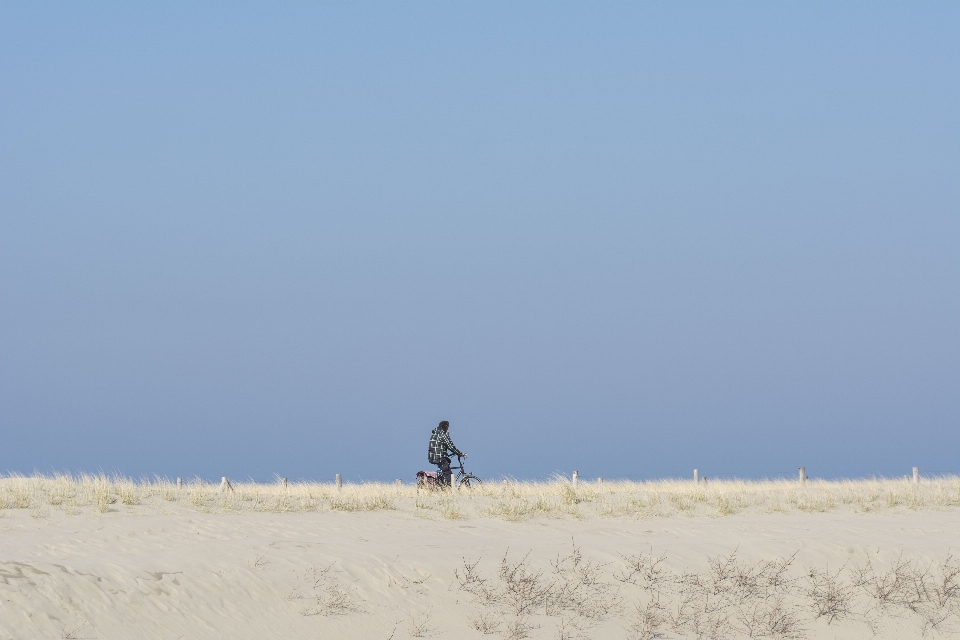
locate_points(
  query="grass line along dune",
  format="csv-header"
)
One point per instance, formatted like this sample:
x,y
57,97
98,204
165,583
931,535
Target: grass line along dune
x,y
508,500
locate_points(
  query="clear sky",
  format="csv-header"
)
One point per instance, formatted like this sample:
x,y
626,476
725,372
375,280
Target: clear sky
x,y
629,239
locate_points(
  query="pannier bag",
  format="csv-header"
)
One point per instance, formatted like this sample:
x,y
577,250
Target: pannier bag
x,y
427,479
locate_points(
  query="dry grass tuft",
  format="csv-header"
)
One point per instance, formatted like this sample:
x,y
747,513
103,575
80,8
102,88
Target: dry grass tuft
x,y
361,503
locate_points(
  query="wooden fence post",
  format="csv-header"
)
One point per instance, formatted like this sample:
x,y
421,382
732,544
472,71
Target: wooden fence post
x,y
696,476
574,479
803,474
339,482
600,482
283,481
916,475
179,484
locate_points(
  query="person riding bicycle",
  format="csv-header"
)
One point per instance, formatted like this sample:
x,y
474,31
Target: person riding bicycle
x,y
440,444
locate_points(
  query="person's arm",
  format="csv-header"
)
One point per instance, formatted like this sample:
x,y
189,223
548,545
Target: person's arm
x,y
450,445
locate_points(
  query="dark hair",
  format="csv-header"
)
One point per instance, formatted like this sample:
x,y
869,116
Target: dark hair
x,y
444,425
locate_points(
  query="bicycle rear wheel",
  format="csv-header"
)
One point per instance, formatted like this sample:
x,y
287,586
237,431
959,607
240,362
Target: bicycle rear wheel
x,y
468,480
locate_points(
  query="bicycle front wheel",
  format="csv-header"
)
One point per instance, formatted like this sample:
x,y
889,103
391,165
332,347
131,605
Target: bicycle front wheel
x,y
469,480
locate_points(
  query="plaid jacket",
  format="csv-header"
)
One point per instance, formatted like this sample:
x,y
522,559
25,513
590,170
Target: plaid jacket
x,y
440,443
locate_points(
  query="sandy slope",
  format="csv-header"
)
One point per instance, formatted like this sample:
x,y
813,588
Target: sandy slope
x,y
143,572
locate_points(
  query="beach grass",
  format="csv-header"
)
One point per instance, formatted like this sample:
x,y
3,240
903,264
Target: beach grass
x,y
504,499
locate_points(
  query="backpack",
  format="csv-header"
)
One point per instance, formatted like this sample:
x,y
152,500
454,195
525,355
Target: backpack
x,y
434,449
428,479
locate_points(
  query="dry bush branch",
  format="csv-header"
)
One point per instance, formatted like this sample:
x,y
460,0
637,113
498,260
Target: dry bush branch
x,y
415,585
702,622
487,621
517,628
894,588
645,571
323,593
738,582
579,588
771,618
473,583
420,624
575,591
569,628
647,620
523,589
517,593
732,598
830,596
72,633
687,609
937,593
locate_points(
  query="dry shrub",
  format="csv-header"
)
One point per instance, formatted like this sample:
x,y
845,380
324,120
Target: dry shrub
x,y
517,628
767,599
929,591
569,628
487,621
770,598
647,620
420,624
733,598
644,570
574,591
831,597
320,593
579,588
522,589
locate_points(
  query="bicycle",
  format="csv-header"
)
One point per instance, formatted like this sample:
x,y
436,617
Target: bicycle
x,y
463,480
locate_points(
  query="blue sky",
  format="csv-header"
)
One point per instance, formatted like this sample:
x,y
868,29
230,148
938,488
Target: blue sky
x,y
629,238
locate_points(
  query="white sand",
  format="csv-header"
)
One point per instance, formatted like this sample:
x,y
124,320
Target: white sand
x,y
171,572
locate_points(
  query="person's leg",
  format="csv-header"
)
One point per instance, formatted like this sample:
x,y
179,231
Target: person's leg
x,y
445,471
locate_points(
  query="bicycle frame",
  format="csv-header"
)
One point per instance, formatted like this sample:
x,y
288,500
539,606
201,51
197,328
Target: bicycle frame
x,y
462,476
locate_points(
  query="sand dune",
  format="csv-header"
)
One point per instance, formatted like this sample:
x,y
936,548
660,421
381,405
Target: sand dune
x,y
179,567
